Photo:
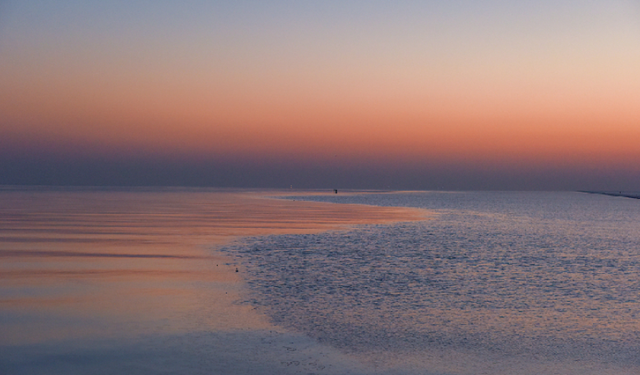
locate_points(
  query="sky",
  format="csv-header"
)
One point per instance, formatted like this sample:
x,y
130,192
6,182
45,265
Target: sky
x,y
446,95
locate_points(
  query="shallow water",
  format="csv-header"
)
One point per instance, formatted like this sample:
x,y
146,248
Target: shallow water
x,y
144,280
497,282
130,281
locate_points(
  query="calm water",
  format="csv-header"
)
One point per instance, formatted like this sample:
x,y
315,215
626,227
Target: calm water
x,y
117,281
541,282
144,281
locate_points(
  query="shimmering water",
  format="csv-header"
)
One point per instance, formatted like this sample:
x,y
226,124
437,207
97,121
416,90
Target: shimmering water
x,y
497,282
124,281
144,281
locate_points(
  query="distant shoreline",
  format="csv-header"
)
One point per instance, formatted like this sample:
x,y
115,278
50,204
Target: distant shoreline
x,y
632,194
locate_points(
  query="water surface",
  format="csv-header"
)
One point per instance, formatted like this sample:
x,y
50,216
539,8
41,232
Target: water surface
x,y
144,280
130,281
498,282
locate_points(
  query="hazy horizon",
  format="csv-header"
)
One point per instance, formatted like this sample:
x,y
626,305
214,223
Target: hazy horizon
x,y
457,95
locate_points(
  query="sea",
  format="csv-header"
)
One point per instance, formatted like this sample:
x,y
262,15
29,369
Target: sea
x,y
215,281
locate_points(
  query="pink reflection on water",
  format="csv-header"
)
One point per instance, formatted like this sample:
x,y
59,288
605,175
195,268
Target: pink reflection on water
x,y
118,263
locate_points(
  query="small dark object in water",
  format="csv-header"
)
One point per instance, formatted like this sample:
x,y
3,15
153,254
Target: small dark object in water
x,y
335,191
236,269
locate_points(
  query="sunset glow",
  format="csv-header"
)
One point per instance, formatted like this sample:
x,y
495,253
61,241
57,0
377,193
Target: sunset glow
x,y
490,90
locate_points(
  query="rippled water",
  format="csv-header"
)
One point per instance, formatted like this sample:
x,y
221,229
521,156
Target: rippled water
x,y
533,277
132,281
128,281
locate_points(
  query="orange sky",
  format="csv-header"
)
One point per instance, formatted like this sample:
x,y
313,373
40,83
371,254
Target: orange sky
x,y
489,85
